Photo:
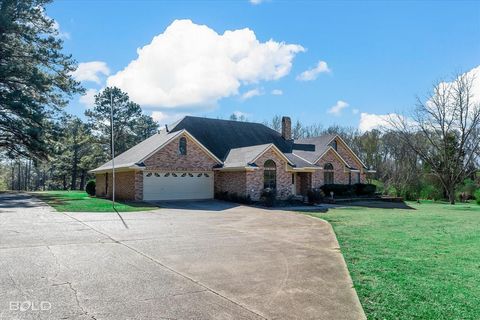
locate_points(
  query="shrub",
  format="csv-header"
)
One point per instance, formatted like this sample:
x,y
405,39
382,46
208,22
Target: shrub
x,y
362,189
431,192
268,197
338,189
348,190
315,196
477,196
233,197
90,188
468,189
222,195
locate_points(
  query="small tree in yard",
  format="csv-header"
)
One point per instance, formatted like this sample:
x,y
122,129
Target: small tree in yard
x,y
444,132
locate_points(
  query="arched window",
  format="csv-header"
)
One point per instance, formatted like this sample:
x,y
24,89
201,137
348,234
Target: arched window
x,y
328,173
269,175
182,146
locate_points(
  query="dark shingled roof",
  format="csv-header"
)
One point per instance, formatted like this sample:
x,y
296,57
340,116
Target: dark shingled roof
x,y
320,146
220,136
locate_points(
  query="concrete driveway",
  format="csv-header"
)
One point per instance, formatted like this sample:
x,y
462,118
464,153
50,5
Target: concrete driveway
x,y
199,260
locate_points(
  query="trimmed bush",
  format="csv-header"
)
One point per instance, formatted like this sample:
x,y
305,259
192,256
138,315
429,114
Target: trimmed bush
x,y
315,196
362,189
90,188
233,197
342,190
349,190
268,197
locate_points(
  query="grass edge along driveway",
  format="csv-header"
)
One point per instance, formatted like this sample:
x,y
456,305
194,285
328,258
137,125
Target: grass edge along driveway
x,y
79,201
422,263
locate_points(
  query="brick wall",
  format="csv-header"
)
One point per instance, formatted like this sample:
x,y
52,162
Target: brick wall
x,y
233,182
100,185
339,176
124,185
305,182
169,159
254,179
347,155
139,185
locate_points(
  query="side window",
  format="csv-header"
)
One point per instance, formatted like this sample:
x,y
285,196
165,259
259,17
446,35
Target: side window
x,y
328,177
334,144
182,146
269,175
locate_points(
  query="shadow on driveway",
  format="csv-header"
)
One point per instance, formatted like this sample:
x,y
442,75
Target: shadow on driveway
x,y
17,200
202,205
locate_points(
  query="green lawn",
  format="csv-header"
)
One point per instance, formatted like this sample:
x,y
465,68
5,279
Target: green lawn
x,y
413,264
79,201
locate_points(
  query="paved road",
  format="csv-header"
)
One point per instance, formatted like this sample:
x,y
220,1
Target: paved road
x,y
198,260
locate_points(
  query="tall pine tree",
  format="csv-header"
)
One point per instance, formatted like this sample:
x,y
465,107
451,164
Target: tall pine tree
x,y
35,79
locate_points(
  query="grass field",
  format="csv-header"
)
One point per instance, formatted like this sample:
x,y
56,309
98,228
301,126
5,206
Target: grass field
x,y
79,201
413,264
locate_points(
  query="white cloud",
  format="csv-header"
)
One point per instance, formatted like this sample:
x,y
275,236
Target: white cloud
x,y
192,65
277,92
475,73
88,99
251,93
312,74
255,2
355,111
165,117
90,71
240,114
337,108
370,121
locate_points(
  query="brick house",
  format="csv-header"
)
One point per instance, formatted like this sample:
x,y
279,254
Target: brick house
x,y
198,157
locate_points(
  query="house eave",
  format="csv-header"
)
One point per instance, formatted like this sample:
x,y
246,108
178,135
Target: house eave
x,y
118,169
232,169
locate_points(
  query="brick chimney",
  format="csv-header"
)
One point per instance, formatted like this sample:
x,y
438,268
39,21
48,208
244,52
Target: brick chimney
x,y
287,128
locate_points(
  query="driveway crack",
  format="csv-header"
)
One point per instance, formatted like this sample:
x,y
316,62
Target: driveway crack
x,y
170,269
77,300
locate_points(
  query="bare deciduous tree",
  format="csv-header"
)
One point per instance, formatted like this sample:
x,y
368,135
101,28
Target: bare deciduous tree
x,y
443,131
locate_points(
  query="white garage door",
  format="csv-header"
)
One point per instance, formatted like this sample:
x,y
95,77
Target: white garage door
x,y
177,185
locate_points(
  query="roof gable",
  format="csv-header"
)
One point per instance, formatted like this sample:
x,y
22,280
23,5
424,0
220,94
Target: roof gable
x,y
220,136
241,157
137,153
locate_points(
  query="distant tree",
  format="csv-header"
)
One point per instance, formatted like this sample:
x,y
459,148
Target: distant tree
x,y
130,126
35,79
144,127
443,131
313,130
238,117
276,123
369,147
76,142
297,130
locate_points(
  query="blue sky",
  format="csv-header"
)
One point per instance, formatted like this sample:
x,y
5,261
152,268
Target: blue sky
x,y
377,56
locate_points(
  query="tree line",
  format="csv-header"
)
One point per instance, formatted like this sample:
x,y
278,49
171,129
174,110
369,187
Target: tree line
x,y
432,153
